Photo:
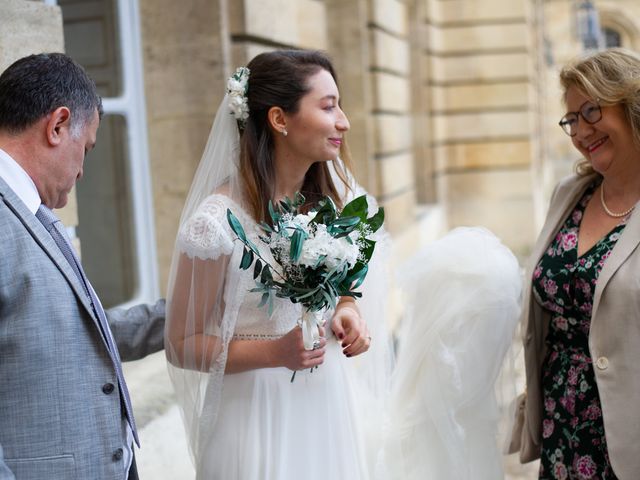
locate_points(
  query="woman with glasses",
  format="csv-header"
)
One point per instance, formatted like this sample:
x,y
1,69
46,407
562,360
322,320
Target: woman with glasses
x,y
581,412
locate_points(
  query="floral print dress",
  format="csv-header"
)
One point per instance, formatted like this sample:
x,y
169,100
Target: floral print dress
x,y
574,446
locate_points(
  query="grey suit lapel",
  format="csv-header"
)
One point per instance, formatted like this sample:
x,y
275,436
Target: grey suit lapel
x,y
43,238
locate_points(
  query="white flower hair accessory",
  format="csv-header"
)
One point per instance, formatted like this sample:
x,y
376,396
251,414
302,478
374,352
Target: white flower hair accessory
x,y
237,86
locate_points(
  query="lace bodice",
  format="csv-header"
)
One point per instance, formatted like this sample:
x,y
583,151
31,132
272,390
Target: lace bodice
x,y
208,236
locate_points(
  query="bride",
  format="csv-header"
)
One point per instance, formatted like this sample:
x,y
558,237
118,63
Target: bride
x,y
276,132
280,130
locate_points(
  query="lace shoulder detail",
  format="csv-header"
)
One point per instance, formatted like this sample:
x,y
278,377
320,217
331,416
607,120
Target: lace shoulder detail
x,y
206,234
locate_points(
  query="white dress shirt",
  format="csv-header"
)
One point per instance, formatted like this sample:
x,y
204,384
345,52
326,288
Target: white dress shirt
x,y
19,181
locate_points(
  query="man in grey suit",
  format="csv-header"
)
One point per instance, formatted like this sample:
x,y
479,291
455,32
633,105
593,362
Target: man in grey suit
x,y
65,411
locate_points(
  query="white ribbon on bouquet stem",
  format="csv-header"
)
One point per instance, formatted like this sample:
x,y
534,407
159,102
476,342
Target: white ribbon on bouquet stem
x,y
310,324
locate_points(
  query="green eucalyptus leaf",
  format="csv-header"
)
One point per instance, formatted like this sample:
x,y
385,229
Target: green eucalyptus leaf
x,y
252,246
297,239
319,261
264,299
342,226
298,199
257,269
266,227
247,259
376,221
266,277
326,213
272,212
270,303
346,222
358,207
330,299
236,226
356,278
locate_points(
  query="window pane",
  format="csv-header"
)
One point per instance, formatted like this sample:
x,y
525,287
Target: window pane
x,y
612,38
91,39
105,221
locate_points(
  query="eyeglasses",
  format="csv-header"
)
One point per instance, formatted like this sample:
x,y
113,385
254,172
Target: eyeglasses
x,y
590,113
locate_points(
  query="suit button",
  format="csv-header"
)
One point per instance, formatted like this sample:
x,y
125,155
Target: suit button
x,y
117,455
108,388
602,363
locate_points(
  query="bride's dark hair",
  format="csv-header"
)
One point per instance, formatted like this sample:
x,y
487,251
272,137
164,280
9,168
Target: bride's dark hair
x,y
279,79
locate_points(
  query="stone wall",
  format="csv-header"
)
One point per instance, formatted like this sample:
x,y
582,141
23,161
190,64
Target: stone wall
x,y
481,56
191,47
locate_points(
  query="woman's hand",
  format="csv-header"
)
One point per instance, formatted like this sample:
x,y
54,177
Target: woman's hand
x,y
289,351
350,329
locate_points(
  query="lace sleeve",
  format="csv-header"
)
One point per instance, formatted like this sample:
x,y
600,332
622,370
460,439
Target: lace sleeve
x,y
206,234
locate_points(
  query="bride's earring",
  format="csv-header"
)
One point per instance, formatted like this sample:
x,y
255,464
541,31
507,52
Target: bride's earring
x,y
284,132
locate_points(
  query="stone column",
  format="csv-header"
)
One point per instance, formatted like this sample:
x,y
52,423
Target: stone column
x,y
348,37
390,68
185,49
483,94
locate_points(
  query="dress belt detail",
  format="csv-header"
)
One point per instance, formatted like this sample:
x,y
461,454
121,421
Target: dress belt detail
x,y
255,336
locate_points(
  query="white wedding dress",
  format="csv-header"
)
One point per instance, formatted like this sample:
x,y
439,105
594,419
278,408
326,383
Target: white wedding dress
x,y
440,419
267,427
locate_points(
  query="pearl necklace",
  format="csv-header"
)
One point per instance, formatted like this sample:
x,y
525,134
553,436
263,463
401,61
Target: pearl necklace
x,y
609,212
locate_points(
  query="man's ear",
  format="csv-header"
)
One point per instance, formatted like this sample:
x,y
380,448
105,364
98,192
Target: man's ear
x,y
276,119
57,122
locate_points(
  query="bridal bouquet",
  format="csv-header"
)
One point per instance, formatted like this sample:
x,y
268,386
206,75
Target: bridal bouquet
x,y
319,255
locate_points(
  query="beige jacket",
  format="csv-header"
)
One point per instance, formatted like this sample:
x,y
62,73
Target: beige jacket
x,y
614,339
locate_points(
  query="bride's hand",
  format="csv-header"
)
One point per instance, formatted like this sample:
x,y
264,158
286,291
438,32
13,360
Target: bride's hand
x,y
290,351
349,327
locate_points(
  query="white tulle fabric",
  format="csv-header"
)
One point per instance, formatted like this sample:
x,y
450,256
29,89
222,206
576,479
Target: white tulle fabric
x,y
464,292
257,424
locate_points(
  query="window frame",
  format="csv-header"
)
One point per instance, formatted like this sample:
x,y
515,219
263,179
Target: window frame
x,y
130,104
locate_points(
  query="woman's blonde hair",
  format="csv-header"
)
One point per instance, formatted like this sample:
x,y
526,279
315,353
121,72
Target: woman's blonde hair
x,y
613,78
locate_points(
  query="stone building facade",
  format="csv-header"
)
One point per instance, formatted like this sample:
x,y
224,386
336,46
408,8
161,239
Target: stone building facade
x,y
453,106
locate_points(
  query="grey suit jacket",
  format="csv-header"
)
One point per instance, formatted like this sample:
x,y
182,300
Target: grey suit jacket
x,y
614,339
60,417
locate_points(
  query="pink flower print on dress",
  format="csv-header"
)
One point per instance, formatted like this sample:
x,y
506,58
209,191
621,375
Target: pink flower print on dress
x,y
560,471
577,216
562,323
586,307
549,404
547,428
572,376
537,272
550,287
569,240
583,285
569,403
604,258
593,412
585,467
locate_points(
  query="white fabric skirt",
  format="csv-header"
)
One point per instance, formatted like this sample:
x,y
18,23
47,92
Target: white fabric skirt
x,y
271,429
